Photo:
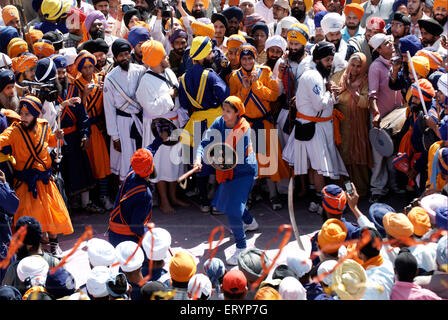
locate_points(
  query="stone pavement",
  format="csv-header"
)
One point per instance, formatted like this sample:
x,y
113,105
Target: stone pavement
x,y
190,230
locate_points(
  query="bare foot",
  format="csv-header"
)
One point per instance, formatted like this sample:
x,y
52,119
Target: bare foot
x,y
177,202
167,209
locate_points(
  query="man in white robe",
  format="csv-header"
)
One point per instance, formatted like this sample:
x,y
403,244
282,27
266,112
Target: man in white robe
x,y
310,148
332,24
121,115
157,94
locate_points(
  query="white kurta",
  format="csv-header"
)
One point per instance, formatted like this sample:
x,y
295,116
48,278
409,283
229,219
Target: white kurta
x,y
49,113
312,99
119,127
339,62
297,70
153,96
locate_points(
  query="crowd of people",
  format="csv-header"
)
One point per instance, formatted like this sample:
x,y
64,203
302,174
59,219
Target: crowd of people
x,y
106,104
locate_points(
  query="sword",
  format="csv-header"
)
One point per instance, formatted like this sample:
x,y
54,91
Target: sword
x,y
23,22
416,83
291,213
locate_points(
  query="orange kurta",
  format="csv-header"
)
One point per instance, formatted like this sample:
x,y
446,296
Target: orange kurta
x,y
266,89
49,207
440,183
98,151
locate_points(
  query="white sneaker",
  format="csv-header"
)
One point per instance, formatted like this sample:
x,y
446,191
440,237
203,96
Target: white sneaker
x,y
250,227
107,204
313,207
205,209
233,260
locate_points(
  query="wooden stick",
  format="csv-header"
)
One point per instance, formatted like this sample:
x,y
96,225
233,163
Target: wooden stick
x,y
187,174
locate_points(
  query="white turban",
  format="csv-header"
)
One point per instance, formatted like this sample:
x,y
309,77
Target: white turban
x,y
276,41
250,1
349,280
291,289
34,267
332,22
5,60
285,23
124,250
326,266
162,242
300,262
100,252
432,202
69,55
96,281
442,84
201,284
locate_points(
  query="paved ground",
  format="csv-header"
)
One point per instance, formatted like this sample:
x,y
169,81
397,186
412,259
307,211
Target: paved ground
x,y
190,230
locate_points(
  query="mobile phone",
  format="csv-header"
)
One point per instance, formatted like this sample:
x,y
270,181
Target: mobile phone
x,y
348,187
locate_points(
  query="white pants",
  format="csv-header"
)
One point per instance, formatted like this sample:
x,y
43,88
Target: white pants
x,y
120,162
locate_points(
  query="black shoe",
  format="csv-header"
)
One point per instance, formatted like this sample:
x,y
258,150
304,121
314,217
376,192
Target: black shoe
x,y
374,198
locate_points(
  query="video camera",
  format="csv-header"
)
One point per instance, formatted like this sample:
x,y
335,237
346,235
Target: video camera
x,y
44,91
165,6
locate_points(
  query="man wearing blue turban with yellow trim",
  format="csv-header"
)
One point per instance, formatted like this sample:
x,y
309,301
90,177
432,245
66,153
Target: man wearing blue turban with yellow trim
x,y
201,93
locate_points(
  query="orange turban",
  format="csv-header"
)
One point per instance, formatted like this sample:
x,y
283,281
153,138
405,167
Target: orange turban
x,y
397,225
426,88
420,220
237,103
435,59
142,24
83,58
33,35
333,232
421,65
141,162
153,52
182,266
10,12
16,47
23,63
203,29
334,199
356,8
190,4
235,41
267,293
42,47
440,3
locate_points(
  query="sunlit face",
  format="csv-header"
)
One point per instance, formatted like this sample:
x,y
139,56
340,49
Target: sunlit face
x,y
386,49
101,58
352,21
30,73
233,57
103,6
248,8
260,38
397,28
15,23
274,53
26,117
247,62
356,66
179,45
427,38
233,24
279,12
87,70
220,29
334,37
229,115
61,73
198,5
132,22
414,7
332,5
9,90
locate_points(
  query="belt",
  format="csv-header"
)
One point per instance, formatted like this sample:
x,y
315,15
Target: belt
x,y
123,114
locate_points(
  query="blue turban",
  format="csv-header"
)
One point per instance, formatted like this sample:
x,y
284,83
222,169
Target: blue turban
x,y
233,12
398,3
178,33
10,293
444,128
6,77
60,283
376,214
45,70
214,269
37,4
260,26
6,34
59,60
318,18
410,43
442,218
138,34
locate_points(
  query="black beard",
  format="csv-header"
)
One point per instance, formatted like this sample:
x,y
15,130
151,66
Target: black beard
x,y
416,107
31,125
198,13
296,56
298,14
63,84
336,45
443,21
97,34
179,52
352,27
271,63
22,252
208,64
324,72
124,65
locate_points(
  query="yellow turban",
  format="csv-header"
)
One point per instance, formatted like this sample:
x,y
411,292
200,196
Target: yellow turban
x,y
421,65
440,3
153,52
200,48
267,293
16,47
397,225
349,280
298,32
420,220
10,12
435,59
182,267
235,41
333,232
203,29
356,8
23,63
190,4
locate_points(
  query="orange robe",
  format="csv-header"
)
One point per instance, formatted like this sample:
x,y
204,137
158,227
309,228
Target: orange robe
x,y
98,152
48,207
266,90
